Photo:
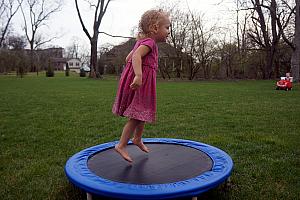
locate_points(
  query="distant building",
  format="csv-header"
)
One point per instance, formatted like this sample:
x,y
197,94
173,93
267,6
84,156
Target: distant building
x,y
74,64
114,60
59,64
43,57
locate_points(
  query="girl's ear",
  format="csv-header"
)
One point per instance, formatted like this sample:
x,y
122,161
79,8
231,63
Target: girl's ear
x,y
155,28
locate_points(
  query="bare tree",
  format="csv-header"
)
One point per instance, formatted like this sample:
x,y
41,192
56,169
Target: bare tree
x,y
260,35
178,36
242,18
118,59
16,42
292,38
192,42
295,60
35,14
13,58
8,8
266,31
100,7
201,46
226,55
72,50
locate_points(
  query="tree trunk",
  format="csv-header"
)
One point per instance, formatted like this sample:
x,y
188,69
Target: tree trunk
x,y
270,62
31,61
270,46
93,60
222,68
275,38
162,74
100,9
31,43
295,60
178,70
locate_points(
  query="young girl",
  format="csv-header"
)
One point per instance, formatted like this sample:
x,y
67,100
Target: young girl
x,y
136,96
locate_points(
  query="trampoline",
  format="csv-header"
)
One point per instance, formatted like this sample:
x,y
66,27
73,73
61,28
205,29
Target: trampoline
x,y
173,168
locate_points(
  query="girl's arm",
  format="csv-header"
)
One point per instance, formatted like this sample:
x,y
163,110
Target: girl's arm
x,y
129,56
137,56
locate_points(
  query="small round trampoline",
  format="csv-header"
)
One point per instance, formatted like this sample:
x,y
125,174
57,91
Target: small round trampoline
x,y
173,168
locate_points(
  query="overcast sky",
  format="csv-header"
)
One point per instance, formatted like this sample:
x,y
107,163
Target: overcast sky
x,y
121,17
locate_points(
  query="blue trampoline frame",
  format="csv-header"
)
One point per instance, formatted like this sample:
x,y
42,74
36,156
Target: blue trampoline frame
x,y
79,174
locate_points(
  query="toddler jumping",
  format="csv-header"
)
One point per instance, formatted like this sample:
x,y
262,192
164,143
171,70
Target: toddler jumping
x,y
136,95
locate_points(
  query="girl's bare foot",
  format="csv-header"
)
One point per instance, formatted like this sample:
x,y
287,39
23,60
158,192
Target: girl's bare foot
x,y
140,144
123,153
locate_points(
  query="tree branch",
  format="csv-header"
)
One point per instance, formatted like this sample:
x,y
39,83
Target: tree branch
x,y
81,21
39,43
116,35
102,12
96,15
10,16
25,23
282,27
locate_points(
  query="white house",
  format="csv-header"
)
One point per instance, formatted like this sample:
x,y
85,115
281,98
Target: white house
x,y
74,64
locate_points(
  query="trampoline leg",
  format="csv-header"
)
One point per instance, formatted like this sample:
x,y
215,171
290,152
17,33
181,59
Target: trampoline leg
x,y
194,198
89,196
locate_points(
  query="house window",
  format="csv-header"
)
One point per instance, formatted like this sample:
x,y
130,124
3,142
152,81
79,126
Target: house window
x,y
77,64
71,64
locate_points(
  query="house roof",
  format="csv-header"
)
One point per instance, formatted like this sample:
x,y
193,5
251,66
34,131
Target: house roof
x,y
166,50
63,60
68,59
59,60
122,50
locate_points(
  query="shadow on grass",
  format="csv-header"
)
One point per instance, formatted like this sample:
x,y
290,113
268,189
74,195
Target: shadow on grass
x,y
222,192
70,191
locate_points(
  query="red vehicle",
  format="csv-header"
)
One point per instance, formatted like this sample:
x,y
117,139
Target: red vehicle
x,y
284,84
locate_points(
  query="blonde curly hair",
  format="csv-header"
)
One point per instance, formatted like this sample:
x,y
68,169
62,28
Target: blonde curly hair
x,y
148,20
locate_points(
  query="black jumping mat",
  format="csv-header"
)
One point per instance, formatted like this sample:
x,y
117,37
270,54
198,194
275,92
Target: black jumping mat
x,y
165,163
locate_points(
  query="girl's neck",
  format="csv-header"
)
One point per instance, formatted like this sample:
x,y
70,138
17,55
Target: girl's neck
x,y
152,36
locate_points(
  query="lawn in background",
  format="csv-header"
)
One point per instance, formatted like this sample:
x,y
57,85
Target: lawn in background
x,y
44,121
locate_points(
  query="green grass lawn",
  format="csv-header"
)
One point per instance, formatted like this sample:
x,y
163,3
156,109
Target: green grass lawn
x,y
44,121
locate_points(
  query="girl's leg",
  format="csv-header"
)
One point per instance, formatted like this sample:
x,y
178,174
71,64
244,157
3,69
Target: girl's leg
x,y
129,128
137,140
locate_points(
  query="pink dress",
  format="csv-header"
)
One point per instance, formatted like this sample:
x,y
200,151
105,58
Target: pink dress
x,y
139,104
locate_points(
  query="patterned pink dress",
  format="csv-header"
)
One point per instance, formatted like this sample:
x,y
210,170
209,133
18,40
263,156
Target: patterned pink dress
x,y
139,104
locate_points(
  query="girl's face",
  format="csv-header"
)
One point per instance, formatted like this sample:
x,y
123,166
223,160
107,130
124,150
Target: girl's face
x,y
162,30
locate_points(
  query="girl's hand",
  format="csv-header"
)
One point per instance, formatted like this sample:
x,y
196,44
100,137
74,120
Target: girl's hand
x,y
136,83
